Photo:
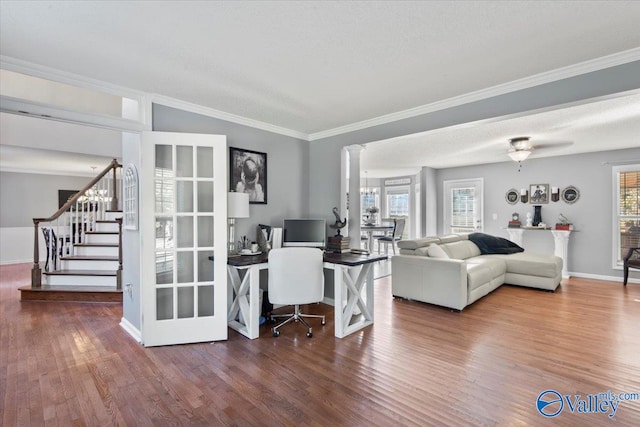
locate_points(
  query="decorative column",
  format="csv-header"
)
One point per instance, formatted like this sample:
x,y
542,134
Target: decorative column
x,y
515,235
354,195
561,241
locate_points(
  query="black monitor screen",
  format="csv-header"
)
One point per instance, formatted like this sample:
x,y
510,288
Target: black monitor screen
x,y
304,232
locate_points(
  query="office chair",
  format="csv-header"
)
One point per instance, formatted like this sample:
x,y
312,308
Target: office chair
x,y
398,229
295,277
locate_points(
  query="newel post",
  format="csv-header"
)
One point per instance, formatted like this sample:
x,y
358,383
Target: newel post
x,y
36,273
119,271
114,198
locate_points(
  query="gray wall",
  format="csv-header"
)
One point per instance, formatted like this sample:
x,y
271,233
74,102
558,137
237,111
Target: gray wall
x,y
24,196
287,165
590,247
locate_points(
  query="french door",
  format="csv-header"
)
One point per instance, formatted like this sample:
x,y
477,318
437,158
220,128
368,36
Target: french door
x,y
463,205
183,223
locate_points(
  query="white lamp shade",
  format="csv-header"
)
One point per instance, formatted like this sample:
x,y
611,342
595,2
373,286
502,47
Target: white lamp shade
x,y
519,155
238,205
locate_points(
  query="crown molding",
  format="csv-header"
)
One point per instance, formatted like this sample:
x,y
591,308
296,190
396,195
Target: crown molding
x,y
14,169
229,117
524,83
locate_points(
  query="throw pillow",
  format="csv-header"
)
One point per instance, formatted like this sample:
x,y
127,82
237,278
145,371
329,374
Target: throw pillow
x,y
435,251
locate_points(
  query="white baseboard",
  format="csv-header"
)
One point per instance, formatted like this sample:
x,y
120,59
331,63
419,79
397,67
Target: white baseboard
x,y
602,277
131,330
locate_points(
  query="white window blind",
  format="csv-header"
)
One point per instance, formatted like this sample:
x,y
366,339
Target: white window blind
x,y
627,221
463,212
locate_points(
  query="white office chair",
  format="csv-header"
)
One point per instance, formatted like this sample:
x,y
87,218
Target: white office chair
x,y
295,277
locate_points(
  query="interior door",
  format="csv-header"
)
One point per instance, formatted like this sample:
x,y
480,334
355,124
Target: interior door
x,y
183,223
463,205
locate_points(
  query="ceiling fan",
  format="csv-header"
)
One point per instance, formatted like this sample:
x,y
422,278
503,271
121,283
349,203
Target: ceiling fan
x,y
520,147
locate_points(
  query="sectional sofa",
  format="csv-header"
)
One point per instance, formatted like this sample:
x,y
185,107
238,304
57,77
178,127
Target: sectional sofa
x,y
453,271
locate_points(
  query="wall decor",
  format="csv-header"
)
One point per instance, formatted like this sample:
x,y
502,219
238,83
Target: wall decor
x,y
539,193
524,195
248,174
64,196
130,197
570,194
512,196
555,194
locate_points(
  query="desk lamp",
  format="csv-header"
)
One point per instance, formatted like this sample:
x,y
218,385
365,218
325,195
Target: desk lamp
x,y
237,207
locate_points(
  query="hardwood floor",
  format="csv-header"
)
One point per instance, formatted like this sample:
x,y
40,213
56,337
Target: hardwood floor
x,y
71,364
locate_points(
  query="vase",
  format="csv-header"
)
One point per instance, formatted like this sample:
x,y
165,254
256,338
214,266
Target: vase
x,y
537,215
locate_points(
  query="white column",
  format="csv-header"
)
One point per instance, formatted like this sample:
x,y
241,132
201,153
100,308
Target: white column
x,y
561,242
515,235
354,194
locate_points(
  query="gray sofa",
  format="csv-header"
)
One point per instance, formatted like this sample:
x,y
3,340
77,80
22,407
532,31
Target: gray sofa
x,y
450,271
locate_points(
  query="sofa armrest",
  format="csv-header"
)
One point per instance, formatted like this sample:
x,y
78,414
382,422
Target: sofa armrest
x,y
432,280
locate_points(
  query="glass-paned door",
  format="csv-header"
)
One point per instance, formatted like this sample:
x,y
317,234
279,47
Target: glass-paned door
x,y
463,205
184,205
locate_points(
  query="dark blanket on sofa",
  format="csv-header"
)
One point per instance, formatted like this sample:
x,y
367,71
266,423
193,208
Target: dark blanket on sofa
x,y
489,244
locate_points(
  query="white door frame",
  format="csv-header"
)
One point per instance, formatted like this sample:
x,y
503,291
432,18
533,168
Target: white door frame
x,y
449,185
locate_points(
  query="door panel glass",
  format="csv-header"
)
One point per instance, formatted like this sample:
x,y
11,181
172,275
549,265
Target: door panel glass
x,y
205,162
205,301
164,233
205,196
184,161
185,267
185,231
164,267
205,266
184,199
185,302
164,189
205,231
164,161
164,303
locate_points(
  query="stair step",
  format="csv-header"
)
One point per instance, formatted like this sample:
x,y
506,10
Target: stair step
x,y
102,232
106,221
75,293
81,273
94,245
89,258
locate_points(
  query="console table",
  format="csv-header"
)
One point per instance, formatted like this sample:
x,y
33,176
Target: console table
x,y
560,240
353,273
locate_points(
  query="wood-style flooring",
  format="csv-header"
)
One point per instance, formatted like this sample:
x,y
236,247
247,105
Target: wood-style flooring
x,y
71,364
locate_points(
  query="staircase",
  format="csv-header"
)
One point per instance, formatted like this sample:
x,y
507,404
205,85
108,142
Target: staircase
x,y
83,244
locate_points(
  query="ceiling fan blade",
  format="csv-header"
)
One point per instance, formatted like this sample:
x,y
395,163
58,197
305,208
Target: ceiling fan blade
x,y
552,145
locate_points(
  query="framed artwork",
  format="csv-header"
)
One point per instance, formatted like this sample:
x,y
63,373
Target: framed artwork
x,y
570,194
538,193
512,196
64,196
248,174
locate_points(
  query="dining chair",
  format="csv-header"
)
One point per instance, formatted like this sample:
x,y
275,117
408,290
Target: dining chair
x,y
396,235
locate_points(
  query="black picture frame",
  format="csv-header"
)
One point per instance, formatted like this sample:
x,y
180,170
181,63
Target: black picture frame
x,y
64,196
570,194
243,163
512,197
538,194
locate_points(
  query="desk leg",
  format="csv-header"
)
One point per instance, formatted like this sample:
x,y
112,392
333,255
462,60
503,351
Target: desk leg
x,y
348,284
244,313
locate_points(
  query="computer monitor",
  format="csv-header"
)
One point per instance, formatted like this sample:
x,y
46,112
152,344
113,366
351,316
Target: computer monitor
x,y
304,232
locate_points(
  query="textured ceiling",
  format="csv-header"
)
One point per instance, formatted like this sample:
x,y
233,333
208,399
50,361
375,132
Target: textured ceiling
x,y
312,67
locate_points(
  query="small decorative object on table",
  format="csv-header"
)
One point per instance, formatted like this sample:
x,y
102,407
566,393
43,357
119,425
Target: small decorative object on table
x,y
515,220
340,223
529,220
537,215
563,223
338,243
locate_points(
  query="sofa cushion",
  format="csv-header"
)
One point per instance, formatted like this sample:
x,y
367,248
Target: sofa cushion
x,y
482,271
453,238
531,264
417,243
435,251
462,249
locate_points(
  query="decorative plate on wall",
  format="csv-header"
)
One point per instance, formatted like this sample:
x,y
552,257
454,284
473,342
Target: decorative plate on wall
x,y
570,194
512,196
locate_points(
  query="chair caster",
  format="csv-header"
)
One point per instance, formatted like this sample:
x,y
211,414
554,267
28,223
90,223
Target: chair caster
x,y
324,322
276,333
309,334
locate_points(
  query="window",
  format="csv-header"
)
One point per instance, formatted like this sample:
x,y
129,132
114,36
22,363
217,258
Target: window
x,y
627,210
463,205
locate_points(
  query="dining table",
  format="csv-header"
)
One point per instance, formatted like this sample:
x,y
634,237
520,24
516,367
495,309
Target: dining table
x,y
371,228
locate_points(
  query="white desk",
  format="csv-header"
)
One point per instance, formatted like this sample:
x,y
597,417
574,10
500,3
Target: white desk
x,y
560,240
351,274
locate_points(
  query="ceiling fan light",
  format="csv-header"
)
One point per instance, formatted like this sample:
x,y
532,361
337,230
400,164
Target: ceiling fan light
x,y
519,155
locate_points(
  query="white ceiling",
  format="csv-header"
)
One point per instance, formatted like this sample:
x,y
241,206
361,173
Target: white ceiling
x,y
312,67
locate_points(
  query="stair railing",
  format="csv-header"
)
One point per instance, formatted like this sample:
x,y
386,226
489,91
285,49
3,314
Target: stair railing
x,y
68,225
